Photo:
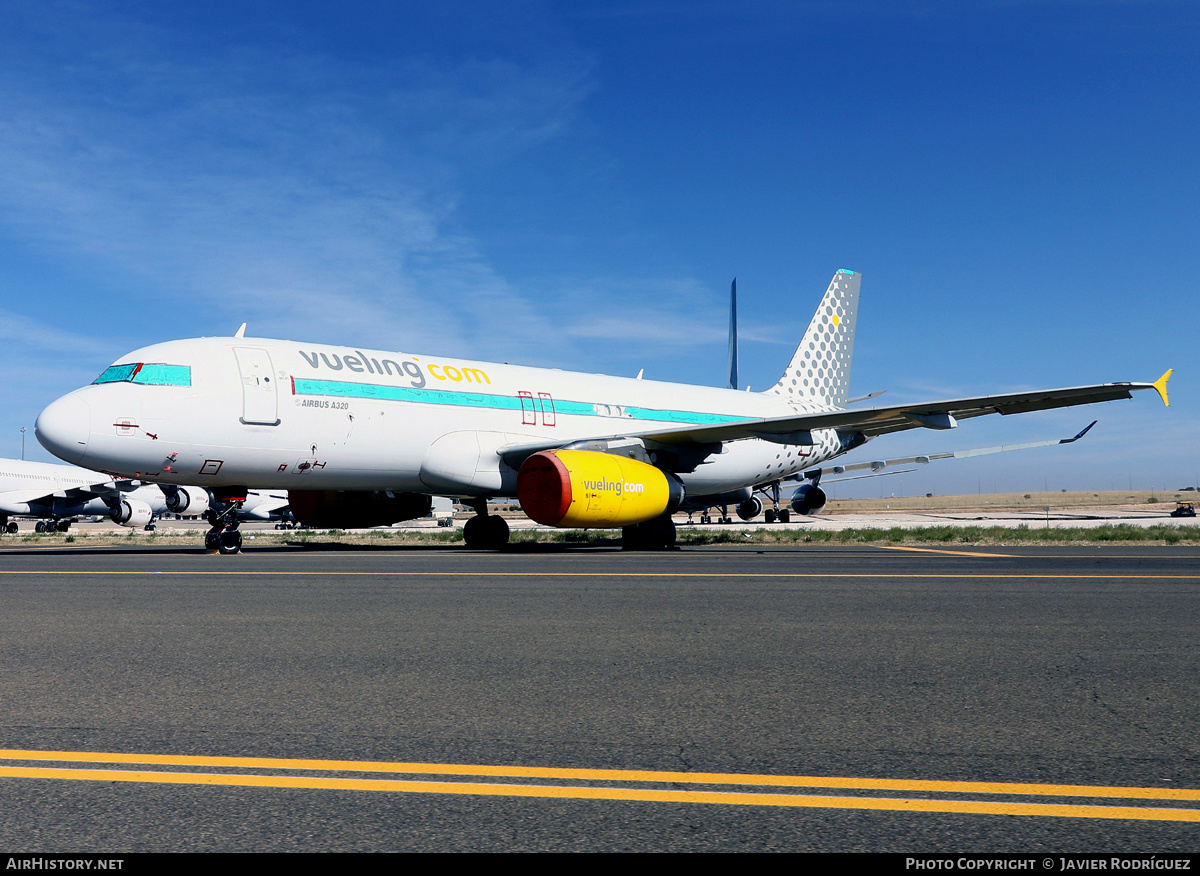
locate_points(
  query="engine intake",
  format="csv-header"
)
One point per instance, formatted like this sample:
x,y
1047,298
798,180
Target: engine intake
x,y
808,499
750,508
131,512
190,500
594,490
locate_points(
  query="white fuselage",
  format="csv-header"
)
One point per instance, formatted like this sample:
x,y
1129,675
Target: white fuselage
x,y
269,414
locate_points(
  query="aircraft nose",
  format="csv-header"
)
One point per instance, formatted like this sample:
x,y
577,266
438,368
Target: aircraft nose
x,y
64,428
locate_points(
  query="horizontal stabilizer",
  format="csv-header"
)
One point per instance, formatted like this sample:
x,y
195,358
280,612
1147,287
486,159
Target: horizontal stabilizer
x,y
876,466
863,398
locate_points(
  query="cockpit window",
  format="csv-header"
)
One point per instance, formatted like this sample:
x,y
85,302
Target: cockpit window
x,y
152,374
164,375
117,373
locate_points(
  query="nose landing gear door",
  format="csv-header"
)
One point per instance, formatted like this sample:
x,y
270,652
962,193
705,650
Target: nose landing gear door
x,y
260,400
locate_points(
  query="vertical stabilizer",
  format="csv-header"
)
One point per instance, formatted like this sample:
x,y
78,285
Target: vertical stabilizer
x,y
819,373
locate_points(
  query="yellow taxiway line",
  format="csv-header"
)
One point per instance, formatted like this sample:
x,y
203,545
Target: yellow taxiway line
x,y
609,792
227,573
893,547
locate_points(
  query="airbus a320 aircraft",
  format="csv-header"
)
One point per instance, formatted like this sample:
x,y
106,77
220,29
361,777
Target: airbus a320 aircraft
x,y
56,494
365,437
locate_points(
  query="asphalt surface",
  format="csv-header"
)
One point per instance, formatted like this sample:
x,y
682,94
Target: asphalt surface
x,y
1046,666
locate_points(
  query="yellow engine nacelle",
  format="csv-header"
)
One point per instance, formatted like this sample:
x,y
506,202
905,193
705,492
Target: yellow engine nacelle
x,y
594,490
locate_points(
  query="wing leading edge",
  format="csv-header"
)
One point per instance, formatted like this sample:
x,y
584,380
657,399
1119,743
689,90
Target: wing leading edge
x,y
942,414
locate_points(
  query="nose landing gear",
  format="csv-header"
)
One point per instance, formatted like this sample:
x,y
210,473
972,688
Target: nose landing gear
x,y
224,537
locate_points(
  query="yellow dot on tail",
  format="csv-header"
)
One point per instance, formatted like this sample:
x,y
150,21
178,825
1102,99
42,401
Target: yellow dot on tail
x,y
836,321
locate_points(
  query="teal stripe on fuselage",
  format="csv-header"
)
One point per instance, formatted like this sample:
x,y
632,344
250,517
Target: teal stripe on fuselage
x,y
345,389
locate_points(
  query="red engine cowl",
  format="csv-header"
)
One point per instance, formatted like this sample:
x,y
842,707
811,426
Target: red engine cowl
x,y
354,509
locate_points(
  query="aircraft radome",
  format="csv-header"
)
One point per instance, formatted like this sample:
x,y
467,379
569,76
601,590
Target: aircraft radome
x,y
366,437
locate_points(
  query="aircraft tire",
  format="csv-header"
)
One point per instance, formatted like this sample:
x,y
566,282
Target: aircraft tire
x,y
497,532
230,542
769,515
475,533
485,533
653,535
11,527
785,516
665,533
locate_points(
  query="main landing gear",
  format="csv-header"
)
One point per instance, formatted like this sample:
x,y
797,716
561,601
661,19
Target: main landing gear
x,y
775,512
653,535
224,537
50,526
485,531
706,518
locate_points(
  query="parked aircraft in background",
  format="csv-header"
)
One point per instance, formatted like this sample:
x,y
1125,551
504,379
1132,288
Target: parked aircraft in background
x,y
361,438
270,505
57,494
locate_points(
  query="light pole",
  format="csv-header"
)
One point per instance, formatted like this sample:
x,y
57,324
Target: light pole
x,y
22,443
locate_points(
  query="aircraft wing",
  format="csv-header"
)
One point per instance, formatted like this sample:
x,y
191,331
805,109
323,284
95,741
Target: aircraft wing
x,y
100,490
942,414
896,418
81,493
15,498
36,496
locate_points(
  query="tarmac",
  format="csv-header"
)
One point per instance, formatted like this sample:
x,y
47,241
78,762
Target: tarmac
x,y
559,698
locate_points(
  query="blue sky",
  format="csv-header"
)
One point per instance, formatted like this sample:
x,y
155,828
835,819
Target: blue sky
x,y
575,184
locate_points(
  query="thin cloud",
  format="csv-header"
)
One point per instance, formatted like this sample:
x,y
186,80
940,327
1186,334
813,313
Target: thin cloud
x,y
234,192
30,337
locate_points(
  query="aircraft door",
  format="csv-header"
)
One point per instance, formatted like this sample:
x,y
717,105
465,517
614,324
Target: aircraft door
x,y
260,399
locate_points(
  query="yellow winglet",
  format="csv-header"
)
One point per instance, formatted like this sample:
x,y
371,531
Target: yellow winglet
x,y
1161,386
